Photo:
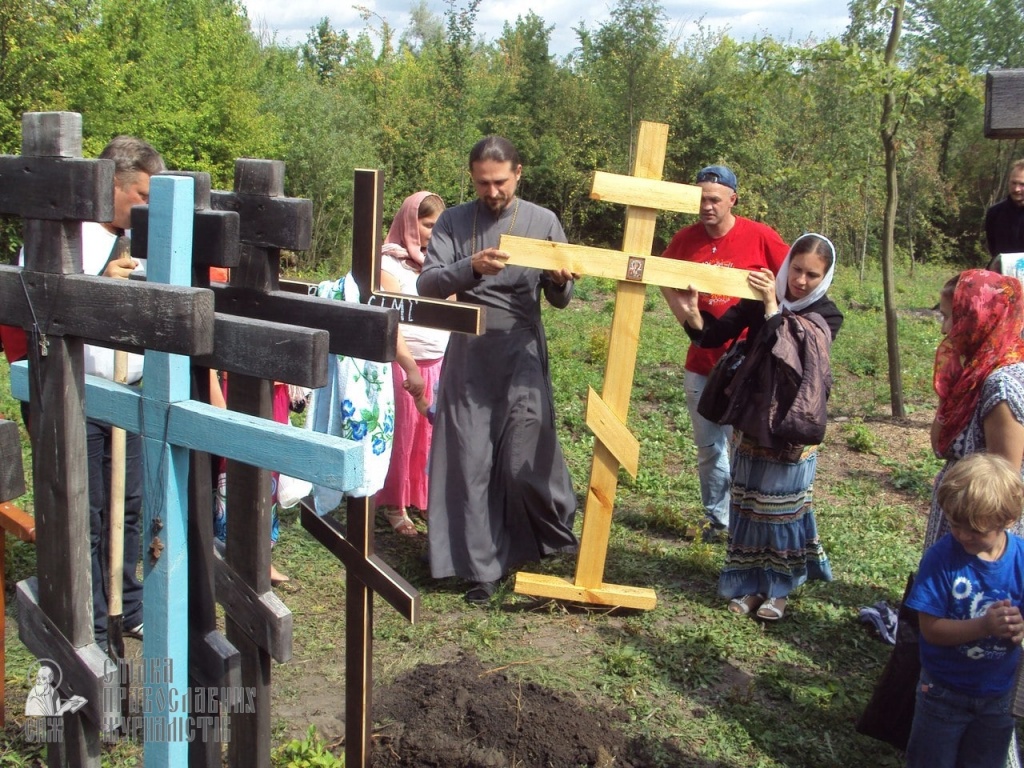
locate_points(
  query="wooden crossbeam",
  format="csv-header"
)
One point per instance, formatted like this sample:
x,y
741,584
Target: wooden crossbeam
x,y
644,193
166,318
634,268
1004,108
367,216
614,446
56,189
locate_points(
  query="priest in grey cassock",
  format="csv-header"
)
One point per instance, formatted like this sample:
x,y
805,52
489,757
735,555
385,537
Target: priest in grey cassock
x,y
500,494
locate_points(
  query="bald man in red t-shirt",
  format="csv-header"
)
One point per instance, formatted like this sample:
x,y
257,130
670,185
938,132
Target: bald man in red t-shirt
x,y
726,240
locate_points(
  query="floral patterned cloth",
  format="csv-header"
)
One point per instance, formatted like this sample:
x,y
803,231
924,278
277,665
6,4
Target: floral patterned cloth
x,y
988,317
358,404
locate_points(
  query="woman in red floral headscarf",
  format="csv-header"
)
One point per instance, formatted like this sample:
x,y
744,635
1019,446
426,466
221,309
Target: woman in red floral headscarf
x,y
979,375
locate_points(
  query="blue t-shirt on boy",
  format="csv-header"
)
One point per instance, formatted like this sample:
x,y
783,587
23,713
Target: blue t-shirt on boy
x,y
953,584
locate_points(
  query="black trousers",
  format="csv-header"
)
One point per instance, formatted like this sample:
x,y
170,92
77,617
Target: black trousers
x,y
98,438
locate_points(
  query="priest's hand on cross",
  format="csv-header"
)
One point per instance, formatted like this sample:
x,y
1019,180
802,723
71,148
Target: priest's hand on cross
x,y
489,261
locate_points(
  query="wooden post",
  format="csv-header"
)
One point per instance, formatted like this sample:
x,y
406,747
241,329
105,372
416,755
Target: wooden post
x,y
614,445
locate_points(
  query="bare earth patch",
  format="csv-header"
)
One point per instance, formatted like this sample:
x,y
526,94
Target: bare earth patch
x,y
458,713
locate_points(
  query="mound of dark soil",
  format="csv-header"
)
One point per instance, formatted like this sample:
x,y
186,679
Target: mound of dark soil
x,y
460,715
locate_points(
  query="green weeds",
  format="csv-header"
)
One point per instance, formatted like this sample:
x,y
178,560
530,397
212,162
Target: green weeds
x,y
699,685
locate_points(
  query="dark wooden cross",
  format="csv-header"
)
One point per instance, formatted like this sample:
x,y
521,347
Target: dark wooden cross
x,y
252,442
54,191
614,445
270,222
366,573
244,347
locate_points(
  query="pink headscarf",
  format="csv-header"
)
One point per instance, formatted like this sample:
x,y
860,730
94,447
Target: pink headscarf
x,y
403,240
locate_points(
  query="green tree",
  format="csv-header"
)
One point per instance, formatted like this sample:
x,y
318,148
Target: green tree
x,y
631,58
325,50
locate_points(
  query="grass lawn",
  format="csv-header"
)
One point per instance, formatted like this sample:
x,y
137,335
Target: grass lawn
x,y
708,688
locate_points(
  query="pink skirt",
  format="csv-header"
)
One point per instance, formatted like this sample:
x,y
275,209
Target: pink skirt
x,y
406,484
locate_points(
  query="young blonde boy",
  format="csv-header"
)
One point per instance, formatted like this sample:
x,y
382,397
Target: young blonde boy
x,y
967,592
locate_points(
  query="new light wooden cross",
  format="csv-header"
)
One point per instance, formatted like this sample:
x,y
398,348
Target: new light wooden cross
x,y
635,269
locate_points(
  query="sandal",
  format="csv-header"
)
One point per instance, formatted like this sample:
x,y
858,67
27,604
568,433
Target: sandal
x,y
400,522
772,609
744,604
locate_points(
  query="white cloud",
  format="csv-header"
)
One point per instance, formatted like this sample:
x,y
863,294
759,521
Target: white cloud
x,y
795,20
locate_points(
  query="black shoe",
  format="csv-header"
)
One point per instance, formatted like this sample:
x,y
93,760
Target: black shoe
x,y
712,534
481,592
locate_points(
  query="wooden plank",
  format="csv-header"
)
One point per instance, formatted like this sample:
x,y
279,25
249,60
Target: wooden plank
x,y
52,246
611,431
64,591
60,489
275,351
367,226
17,522
53,134
374,572
322,459
12,471
213,661
165,478
638,236
414,310
216,241
1004,104
369,333
264,619
166,318
86,669
645,193
358,638
632,272
557,588
626,266
57,188
269,222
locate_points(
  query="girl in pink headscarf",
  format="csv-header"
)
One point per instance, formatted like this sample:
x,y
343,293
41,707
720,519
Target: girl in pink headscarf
x,y
401,259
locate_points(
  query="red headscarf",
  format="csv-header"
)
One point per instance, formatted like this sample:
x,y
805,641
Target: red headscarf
x,y
988,317
405,231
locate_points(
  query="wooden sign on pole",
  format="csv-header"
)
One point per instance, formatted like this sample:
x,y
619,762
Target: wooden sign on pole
x,y
614,444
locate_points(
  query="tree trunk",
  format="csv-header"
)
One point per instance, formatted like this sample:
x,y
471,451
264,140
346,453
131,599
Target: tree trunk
x,y
888,132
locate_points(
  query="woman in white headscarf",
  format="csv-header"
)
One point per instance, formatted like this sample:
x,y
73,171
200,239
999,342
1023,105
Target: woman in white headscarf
x,y
777,409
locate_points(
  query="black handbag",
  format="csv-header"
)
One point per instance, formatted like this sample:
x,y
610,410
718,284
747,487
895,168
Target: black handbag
x,y
889,714
713,400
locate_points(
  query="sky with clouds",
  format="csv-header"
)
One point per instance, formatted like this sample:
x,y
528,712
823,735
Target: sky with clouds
x,y
791,20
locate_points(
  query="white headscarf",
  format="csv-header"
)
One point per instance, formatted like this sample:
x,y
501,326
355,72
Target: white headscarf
x,y
781,279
